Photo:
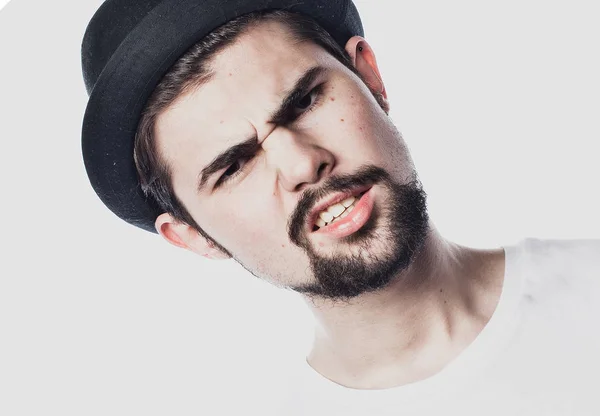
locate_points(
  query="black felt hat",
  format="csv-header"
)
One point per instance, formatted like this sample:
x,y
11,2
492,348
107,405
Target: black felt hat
x,y
127,48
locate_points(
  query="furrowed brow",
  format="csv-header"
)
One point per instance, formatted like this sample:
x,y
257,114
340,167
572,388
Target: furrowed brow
x,y
283,114
227,158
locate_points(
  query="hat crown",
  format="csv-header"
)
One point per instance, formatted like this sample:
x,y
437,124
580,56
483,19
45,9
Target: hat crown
x,y
109,26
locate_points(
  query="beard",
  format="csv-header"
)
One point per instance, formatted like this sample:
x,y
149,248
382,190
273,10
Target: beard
x,y
379,251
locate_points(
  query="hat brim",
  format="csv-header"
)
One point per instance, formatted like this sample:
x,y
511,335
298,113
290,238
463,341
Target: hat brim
x,y
137,66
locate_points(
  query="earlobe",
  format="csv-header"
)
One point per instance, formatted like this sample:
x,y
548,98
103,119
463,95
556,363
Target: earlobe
x,y
363,59
170,230
187,237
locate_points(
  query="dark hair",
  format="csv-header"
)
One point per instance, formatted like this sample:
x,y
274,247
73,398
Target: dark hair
x,y
190,71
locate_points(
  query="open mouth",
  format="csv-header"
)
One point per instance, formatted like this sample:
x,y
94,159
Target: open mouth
x,y
336,211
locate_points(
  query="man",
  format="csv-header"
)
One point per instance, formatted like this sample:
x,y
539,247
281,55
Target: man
x,y
259,131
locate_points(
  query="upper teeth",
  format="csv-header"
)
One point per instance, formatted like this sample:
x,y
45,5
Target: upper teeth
x,y
335,211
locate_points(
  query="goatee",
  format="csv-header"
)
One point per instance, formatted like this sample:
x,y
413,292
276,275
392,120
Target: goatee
x,y
384,247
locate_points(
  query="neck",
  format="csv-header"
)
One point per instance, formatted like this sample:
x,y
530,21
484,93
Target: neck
x,y
411,329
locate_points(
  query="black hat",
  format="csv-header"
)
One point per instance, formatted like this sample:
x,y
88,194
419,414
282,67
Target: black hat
x,y
128,46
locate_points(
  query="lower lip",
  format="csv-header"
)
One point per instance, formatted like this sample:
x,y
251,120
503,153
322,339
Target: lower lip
x,y
353,221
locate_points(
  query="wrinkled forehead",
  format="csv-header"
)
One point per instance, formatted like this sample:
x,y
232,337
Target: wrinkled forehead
x,y
249,79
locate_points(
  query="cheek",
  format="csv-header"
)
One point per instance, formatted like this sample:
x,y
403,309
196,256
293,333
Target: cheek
x,y
257,236
365,131
248,228
353,126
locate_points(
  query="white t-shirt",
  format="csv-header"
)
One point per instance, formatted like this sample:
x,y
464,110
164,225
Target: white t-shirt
x,y
538,355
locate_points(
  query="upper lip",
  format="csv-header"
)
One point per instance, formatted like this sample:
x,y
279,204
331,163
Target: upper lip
x,y
332,199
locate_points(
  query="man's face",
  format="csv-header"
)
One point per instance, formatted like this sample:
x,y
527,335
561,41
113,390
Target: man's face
x,y
333,140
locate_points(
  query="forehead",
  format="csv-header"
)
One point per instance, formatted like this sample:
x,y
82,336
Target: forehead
x,y
249,80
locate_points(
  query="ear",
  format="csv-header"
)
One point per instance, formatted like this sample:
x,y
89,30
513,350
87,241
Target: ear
x,y
363,59
187,237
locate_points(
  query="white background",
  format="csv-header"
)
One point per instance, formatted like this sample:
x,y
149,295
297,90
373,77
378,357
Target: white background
x,y
499,103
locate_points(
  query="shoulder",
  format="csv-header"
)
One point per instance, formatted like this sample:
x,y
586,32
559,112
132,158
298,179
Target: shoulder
x,y
559,266
561,254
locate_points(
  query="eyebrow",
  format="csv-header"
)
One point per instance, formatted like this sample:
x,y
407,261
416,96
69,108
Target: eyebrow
x,y
282,116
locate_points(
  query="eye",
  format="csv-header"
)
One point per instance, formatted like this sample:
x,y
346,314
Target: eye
x,y
305,102
309,101
232,171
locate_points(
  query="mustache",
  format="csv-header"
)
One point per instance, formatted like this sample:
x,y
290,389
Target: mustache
x,y
366,175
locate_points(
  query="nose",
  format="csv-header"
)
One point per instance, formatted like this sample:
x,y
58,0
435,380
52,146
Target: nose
x,y
298,159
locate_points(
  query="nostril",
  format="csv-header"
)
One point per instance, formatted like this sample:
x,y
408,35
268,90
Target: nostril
x,y
321,169
300,186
